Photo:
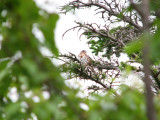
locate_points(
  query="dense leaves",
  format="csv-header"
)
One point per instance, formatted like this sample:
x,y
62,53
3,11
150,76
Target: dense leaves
x,y
31,86
23,67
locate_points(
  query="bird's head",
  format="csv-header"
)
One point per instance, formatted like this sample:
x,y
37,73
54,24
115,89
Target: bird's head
x,y
83,51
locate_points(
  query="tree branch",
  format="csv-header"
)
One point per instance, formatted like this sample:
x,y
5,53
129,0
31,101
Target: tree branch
x,y
155,76
88,72
107,9
146,62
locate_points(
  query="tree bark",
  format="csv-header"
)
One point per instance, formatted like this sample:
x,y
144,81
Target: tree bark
x,y
146,60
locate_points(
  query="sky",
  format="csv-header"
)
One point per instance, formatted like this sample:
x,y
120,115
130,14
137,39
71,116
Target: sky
x,y
70,42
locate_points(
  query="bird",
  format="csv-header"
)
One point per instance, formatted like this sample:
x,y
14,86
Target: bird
x,y
84,58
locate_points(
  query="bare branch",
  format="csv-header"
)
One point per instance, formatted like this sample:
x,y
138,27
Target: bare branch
x,y
108,9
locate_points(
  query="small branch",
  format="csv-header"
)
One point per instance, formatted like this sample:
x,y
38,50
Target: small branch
x,y
73,28
71,57
155,76
107,9
95,80
107,67
157,13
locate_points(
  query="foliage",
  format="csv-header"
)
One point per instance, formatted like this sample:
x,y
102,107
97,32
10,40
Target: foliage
x,y
25,71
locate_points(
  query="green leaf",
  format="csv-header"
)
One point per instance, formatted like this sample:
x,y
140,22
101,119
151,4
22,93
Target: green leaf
x,y
3,73
48,26
133,47
12,111
32,70
155,47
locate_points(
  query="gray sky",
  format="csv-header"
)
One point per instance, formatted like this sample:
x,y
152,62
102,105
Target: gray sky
x,y
71,41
